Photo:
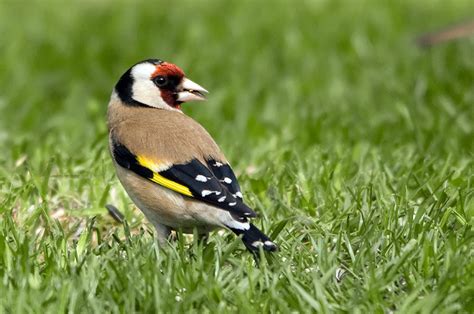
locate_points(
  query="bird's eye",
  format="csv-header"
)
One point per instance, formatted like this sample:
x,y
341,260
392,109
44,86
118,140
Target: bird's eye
x,y
160,81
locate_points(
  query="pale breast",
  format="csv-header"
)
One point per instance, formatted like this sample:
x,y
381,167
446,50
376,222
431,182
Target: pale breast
x,y
163,206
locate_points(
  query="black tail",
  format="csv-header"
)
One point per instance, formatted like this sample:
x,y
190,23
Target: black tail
x,y
254,239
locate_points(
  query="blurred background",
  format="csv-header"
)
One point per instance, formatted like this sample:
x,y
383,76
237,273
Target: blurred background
x,y
296,87
305,73
283,76
327,110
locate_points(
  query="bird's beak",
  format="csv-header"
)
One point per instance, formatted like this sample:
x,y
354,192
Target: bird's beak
x,y
191,91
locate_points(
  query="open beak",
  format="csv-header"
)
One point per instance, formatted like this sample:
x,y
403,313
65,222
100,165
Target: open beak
x,y
191,91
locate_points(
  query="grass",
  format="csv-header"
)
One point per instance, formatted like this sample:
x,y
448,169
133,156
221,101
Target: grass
x,y
354,145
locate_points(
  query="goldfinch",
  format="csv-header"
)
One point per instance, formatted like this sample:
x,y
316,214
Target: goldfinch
x,y
168,163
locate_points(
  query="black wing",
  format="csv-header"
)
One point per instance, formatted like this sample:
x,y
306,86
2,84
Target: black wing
x,y
226,176
204,185
192,179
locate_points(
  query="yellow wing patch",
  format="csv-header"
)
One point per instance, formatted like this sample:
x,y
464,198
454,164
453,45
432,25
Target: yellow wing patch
x,y
157,178
171,185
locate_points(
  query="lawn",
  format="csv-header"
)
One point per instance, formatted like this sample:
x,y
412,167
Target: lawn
x,y
354,145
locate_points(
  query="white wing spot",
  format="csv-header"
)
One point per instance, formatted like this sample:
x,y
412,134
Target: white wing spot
x,y
227,180
221,199
269,243
238,194
257,243
201,178
218,164
205,193
232,204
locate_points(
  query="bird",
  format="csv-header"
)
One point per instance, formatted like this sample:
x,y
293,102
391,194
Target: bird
x,y
168,164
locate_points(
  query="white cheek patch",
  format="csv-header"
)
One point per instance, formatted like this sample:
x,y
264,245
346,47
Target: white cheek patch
x,y
143,71
147,93
144,90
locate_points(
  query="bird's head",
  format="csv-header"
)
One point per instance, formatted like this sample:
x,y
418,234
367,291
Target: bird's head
x,y
158,84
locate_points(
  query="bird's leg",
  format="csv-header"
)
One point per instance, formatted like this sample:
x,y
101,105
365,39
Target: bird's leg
x,y
203,237
162,233
115,213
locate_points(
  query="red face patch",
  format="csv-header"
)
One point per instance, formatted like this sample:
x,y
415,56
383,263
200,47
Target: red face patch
x,y
167,78
167,69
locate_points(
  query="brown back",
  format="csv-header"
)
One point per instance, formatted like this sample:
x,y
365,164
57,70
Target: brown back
x,y
160,135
